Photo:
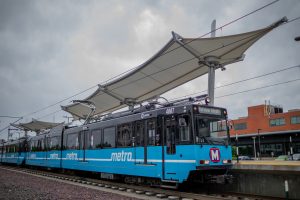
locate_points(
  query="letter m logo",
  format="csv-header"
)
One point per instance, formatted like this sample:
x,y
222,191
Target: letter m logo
x,y
214,154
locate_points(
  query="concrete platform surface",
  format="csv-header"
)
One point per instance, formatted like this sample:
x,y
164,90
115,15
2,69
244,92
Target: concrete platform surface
x,y
274,165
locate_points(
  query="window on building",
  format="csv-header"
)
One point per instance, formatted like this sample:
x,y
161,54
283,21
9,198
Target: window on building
x,y
240,126
295,120
109,137
277,122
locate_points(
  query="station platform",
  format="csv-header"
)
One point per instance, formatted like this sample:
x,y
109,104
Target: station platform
x,y
267,165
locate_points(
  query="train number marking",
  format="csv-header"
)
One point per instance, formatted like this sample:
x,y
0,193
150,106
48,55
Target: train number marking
x,y
170,111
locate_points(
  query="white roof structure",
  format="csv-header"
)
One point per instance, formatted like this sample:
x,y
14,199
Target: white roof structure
x,y
36,125
179,61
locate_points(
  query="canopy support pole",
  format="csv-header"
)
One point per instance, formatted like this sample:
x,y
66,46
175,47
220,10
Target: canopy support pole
x,y
88,104
211,70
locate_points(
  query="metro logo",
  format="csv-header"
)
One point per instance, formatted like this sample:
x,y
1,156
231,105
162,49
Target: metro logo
x,y
214,154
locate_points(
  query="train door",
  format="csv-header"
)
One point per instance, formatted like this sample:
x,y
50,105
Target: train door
x,y
82,137
138,142
168,146
46,149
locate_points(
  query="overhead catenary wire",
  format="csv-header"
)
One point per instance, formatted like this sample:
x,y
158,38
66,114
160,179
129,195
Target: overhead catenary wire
x,y
7,116
136,67
227,24
194,57
258,88
187,60
52,113
240,81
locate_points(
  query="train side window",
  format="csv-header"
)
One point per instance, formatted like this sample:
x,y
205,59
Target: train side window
x,y
184,129
94,140
42,144
72,141
54,143
151,130
170,130
139,133
124,135
109,137
82,139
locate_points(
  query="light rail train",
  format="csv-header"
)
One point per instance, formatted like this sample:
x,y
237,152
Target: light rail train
x,y
159,145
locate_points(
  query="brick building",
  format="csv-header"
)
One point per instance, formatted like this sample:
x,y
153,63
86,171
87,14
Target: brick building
x,y
268,131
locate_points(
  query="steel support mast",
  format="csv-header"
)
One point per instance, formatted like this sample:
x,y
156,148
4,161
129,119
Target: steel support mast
x,y
211,70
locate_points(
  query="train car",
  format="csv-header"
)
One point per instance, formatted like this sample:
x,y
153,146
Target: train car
x,y
45,149
37,150
170,144
1,150
13,152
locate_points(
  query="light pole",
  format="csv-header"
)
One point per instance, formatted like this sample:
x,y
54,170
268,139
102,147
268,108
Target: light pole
x,y
291,147
259,143
237,147
254,147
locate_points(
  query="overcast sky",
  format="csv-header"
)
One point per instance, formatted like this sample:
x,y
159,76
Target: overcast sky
x,y
50,50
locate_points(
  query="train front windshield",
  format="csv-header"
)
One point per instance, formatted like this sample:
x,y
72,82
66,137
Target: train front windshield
x,y
210,131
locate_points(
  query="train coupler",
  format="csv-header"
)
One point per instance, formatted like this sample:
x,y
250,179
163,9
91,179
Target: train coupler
x,y
220,179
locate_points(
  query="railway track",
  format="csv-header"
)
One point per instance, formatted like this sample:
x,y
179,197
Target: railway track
x,y
136,191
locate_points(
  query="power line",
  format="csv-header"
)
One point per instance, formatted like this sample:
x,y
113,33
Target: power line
x,y
189,59
258,88
231,22
9,125
6,116
49,114
227,24
194,57
60,101
240,81
162,70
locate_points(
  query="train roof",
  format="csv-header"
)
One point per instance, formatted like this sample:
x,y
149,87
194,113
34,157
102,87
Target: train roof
x,y
148,111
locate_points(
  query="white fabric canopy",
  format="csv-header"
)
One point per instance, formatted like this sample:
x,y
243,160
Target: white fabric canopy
x,y
36,125
179,61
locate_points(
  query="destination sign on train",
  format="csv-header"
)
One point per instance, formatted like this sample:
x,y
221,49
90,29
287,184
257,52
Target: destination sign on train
x,y
211,111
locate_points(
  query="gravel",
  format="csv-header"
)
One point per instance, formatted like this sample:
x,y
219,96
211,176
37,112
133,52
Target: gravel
x,y
14,186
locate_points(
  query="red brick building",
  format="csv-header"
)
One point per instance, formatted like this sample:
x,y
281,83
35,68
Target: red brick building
x,y
269,129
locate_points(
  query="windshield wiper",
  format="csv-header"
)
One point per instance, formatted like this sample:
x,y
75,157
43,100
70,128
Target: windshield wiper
x,y
215,140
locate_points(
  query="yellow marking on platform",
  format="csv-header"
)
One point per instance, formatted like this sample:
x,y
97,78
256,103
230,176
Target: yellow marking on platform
x,y
269,162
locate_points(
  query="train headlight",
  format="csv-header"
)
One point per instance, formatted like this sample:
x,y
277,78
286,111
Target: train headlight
x,y
204,162
207,100
226,161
